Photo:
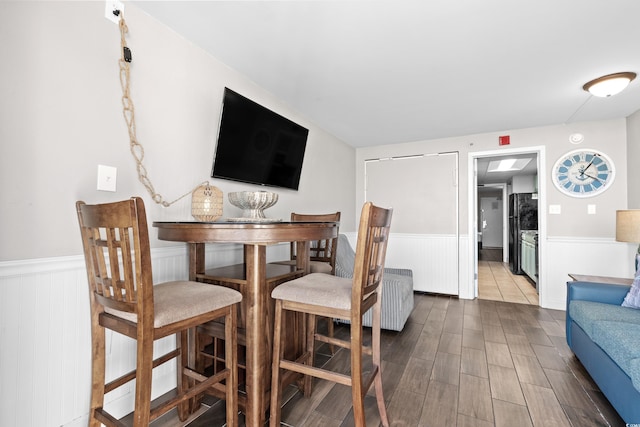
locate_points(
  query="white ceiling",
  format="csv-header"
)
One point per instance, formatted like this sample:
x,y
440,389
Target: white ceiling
x,y
384,72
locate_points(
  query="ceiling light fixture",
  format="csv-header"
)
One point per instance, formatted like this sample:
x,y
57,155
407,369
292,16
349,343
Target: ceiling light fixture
x,y
609,85
507,165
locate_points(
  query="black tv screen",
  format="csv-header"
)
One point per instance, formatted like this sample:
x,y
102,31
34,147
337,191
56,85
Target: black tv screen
x,y
258,146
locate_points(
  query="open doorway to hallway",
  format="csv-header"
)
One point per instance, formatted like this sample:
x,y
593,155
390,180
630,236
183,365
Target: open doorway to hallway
x,y
499,261
496,282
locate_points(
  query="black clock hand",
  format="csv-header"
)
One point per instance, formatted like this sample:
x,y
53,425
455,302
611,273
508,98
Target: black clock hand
x,y
593,177
590,163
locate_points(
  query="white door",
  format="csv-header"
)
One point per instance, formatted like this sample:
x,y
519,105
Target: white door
x,y
491,221
423,192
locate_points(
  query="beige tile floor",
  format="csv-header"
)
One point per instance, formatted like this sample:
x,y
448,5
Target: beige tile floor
x,y
497,283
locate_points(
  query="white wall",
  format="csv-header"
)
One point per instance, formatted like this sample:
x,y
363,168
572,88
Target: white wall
x,y
608,136
633,155
523,184
574,228
61,116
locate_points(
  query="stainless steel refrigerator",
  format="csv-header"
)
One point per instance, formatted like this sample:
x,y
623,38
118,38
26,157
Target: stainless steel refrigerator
x,y
523,215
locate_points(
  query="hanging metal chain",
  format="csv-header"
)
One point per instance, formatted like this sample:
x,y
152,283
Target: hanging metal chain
x,y
137,150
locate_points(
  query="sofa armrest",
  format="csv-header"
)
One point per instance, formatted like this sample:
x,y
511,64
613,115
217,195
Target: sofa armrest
x,y
597,292
590,291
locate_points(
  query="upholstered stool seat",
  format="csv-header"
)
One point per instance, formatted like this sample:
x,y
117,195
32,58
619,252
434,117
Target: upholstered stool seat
x,y
179,300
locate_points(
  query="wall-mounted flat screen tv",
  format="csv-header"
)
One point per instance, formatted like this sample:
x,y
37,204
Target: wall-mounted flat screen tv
x,y
257,145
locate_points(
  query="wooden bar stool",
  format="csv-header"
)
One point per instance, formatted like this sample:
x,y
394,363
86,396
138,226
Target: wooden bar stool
x,y
322,253
326,295
124,299
211,344
322,257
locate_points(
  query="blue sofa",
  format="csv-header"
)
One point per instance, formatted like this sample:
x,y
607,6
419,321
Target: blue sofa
x,y
606,339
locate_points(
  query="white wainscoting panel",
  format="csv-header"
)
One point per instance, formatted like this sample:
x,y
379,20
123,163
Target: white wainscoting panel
x,y
592,256
433,261
45,354
432,257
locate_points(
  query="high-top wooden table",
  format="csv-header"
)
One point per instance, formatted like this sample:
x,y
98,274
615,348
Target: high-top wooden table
x,y
255,237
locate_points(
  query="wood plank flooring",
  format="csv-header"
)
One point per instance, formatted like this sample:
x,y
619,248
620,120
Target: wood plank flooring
x,y
459,363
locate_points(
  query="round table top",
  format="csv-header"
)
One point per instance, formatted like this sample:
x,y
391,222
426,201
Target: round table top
x,y
244,232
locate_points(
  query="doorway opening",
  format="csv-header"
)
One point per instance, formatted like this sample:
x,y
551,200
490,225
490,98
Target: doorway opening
x,y
492,219
492,236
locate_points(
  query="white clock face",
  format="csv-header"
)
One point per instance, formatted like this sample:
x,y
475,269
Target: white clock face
x,y
583,173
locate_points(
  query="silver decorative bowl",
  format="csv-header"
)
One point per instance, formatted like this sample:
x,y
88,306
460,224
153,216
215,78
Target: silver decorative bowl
x,y
253,203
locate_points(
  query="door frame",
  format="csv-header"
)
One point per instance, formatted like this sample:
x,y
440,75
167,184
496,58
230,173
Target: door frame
x,y
472,194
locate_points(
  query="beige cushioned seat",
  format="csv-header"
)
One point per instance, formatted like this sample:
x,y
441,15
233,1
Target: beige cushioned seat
x,y
175,301
322,289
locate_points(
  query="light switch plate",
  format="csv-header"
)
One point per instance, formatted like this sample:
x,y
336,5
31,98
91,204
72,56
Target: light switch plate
x,y
555,210
107,178
591,209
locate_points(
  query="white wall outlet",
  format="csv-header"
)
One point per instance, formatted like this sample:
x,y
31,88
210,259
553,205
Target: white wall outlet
x,y
109,7
591,209
107,178
555,210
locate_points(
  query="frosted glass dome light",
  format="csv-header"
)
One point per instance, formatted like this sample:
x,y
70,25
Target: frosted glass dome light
x,y
609,85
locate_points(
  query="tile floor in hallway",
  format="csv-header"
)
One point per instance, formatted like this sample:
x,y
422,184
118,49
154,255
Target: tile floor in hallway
x,y
497,283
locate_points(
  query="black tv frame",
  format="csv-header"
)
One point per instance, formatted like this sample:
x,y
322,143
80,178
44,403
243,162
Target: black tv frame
x,y
257,145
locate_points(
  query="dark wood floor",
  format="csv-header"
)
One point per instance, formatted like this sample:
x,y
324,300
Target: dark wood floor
x,y
462,363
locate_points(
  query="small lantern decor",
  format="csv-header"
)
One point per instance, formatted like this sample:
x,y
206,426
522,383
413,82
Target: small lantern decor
x,y
206,203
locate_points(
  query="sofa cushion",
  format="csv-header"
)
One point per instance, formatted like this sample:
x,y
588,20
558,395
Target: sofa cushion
x,y
397,289
633,297
620,341
587,313
345,257
397,300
